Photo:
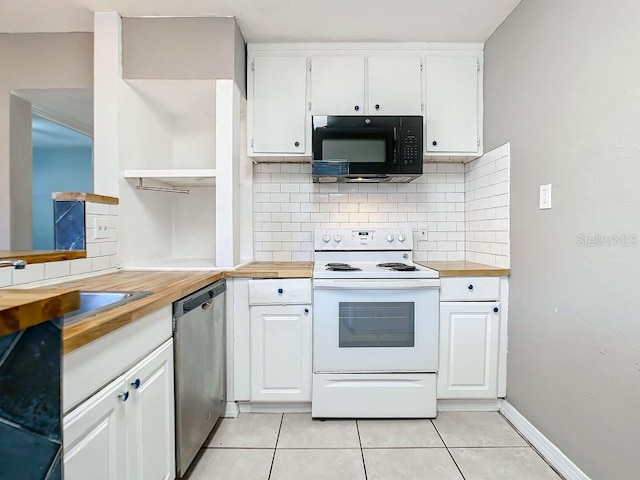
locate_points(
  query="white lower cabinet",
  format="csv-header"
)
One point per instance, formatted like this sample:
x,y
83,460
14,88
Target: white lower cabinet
x,y
281,353
469,350
125,430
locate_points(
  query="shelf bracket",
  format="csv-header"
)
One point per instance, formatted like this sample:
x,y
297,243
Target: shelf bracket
x,y
141,186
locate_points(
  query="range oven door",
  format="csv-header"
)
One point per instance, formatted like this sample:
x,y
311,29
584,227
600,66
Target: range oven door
x,y
380,325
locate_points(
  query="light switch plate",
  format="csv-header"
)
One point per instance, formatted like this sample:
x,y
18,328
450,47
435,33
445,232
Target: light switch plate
x,y
100,228
545,196
422,234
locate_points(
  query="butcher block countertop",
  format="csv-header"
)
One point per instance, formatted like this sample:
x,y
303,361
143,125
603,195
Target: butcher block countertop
x,y
41,256
465,269
273,270
166,287
20,309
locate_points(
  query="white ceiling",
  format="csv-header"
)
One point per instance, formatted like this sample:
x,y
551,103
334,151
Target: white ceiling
x,y
47,134
284,20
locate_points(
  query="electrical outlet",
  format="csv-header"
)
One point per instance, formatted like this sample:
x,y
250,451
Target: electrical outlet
x,y
100,228
422,234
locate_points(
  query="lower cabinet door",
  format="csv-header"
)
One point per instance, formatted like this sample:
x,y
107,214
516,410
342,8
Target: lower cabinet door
x,y
94,436
281,353
469,344
150,417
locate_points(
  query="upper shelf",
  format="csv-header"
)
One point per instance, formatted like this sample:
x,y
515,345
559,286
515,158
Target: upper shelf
x,y
177,178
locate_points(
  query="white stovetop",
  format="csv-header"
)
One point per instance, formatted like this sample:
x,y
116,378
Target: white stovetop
x,y
368,269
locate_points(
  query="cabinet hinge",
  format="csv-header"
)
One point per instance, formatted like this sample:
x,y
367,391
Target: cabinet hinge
x,y
309,106
253,65
421,66
478,142
478,65
422,107
309,66
252,143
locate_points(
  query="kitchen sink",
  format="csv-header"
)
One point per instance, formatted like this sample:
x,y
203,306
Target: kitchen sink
x,y
92,303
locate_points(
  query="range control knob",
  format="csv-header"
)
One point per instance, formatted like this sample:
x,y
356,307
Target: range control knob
x,y
390,238
401,238
326,238
338,238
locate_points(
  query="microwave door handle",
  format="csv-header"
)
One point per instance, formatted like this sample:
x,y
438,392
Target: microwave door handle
x,y
395,145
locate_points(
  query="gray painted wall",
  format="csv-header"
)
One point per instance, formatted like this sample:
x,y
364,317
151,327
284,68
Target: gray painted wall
x,y
36,60
562,84
183,47
20,172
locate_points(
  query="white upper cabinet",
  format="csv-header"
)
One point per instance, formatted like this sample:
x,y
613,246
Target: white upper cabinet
x,y
395,85
278,100
451,104
290,83
337,85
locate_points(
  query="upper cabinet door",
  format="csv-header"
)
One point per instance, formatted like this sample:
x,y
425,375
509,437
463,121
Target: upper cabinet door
x,y
395,86
337,86
452,104
279,105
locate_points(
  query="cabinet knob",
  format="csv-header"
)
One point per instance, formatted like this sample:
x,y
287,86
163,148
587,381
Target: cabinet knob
x,y
306,311
124,396
470,287
280,291
495,309
377,106
356,108
136,383
434,143
297,144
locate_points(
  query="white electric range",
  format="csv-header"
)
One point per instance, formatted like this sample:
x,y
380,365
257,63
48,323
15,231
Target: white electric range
x,y
375,326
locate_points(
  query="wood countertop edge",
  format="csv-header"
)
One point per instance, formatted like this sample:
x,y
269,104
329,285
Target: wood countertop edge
x,y
43,256
29,307
465,269
86,197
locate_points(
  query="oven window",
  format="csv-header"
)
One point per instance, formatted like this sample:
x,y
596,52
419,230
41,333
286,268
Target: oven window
x,y
376,324
354,150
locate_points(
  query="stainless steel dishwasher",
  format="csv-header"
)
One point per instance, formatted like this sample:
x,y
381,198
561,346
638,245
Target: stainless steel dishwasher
x,y
200,362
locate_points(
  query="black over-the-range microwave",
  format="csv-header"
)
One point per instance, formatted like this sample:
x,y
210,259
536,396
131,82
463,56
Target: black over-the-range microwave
x,y
376,149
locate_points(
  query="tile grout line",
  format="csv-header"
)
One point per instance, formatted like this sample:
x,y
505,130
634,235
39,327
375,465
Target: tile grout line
x,y
448,451
364,465
273,459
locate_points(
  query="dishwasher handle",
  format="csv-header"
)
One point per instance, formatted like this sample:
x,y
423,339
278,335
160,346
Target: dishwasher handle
x,y
203,299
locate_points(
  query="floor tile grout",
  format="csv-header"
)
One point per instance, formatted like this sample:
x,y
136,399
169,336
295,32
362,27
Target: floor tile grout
x,y
275,448
448,451
364,465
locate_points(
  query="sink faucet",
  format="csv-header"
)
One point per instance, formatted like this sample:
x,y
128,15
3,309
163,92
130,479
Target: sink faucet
x,y
17,264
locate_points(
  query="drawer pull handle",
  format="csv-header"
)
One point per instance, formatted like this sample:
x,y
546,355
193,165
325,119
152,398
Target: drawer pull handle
x,y
470,287
136,383
124,396
280,291
495,309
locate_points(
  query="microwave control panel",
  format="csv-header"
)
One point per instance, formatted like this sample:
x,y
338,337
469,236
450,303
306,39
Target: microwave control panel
x,y
409,146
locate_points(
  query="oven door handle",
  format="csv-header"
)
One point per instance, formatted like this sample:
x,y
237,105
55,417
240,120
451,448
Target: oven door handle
x,y
378,284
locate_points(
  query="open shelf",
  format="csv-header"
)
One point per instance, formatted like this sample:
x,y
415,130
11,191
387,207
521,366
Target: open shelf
x,y
177,178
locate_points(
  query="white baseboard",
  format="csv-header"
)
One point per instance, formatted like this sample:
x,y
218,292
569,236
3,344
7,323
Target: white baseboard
x,y
274,407
479,405
231,411
552,454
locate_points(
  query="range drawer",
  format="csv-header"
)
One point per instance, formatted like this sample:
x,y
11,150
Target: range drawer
x,y
280,292
469,289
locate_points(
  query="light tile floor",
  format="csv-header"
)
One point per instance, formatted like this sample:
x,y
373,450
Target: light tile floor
x,y
454,446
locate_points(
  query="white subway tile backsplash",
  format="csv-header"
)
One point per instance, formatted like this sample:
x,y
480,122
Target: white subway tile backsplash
x,y
487,208
5,276
31,273
57,269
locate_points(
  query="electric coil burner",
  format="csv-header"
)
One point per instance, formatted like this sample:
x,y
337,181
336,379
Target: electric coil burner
x,y
375,326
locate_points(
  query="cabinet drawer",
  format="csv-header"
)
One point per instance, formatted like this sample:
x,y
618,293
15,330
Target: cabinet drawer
x,y
279,292
468,289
